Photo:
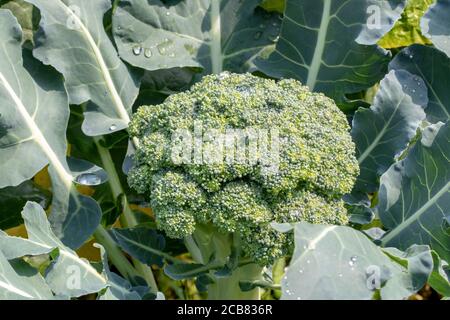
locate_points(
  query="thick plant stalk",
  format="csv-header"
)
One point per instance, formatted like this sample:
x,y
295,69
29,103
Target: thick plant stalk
x,y
207,242
227,288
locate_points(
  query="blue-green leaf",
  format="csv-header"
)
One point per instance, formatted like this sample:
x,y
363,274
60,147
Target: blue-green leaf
x,y
435,25
72,39
383,131
433,67
336,262
210,34
414,196
328,45
21,284
68,275
34,112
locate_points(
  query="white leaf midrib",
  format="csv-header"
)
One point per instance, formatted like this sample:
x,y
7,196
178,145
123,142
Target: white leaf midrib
x,y
118,103
37,134
9,287
416,215
380,134
320,46
216,38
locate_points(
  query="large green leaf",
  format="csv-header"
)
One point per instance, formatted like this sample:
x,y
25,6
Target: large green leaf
x,y
384,130
21,284
215,35
328,45
433,67
414,197
33,118
73,40
34,112
435,25
335,262
68,275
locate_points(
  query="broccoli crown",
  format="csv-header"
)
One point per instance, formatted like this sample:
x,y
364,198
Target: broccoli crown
x,y
240,152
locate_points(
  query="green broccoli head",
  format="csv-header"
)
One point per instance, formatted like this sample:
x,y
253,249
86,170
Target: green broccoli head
x,y
240,152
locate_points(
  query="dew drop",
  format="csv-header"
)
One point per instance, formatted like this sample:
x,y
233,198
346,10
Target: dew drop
x,y
113,127
353,260
298,298
257,35
411,56
168,13
137,50
340,275
308,261
172,55
88,179
164,46
300,271
148,53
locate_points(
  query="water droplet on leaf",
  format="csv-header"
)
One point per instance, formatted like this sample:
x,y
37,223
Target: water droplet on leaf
x,y
353,260
148,53
112,127
88,179
137,50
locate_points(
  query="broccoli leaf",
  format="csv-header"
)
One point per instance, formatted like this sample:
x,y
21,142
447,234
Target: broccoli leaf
x,y
33,120
433,67
210,34
414,196
330,45
384,130
68,275
21,282
335,262
72,39
435,25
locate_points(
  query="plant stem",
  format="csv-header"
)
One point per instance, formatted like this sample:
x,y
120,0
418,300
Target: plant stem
x,y
127,219
227,288
206,242
115,254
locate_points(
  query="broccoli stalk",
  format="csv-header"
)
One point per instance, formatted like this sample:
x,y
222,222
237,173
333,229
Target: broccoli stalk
x,y
222,161
207,242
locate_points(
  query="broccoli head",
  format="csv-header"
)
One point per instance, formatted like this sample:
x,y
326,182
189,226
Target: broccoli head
x,y
239,152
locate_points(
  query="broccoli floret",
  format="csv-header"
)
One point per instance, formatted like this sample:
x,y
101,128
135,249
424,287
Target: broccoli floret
x,y
239,152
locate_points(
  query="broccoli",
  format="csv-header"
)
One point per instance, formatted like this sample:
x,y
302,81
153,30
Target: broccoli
x,y
223,160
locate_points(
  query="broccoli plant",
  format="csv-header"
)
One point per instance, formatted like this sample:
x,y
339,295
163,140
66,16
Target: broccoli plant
x,y
224,160
224,149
